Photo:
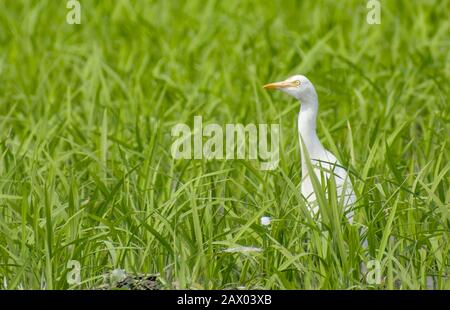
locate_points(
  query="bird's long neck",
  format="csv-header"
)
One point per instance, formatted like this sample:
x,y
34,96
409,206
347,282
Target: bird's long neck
x,y
307,128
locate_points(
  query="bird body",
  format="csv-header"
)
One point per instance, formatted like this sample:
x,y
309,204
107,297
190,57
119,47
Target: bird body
x,y
323,162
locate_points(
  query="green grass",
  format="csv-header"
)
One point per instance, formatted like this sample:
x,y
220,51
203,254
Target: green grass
x,y
86,113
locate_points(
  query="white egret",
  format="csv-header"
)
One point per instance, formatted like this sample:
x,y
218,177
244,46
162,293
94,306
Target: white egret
x,y
323,161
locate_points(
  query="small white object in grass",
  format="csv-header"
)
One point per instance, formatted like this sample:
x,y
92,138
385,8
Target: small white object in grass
x,y
266,220
243,249
430,283
118,275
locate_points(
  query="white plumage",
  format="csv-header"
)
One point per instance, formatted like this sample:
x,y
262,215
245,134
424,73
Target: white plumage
x,y
324,162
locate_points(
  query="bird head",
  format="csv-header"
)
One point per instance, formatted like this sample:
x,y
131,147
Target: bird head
x,y
297,86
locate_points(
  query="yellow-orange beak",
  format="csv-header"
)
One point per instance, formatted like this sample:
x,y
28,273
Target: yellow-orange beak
x,y
278,85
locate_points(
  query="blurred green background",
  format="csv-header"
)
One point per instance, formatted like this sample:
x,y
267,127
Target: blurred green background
x,y
85,118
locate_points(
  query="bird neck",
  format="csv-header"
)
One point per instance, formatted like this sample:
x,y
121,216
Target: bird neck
x,y
307,127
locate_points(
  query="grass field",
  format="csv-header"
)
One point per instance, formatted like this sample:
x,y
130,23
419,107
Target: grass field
x,y
86,113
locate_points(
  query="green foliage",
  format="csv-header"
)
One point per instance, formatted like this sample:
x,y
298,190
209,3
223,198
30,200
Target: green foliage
x,y
86,113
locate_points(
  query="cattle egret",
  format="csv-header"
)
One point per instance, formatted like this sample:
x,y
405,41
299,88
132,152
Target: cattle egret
x,y
323,162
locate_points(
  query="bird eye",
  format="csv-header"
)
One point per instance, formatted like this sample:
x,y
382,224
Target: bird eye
x,y
297,83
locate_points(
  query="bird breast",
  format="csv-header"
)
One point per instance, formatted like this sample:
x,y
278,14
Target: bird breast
x,y
325,166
